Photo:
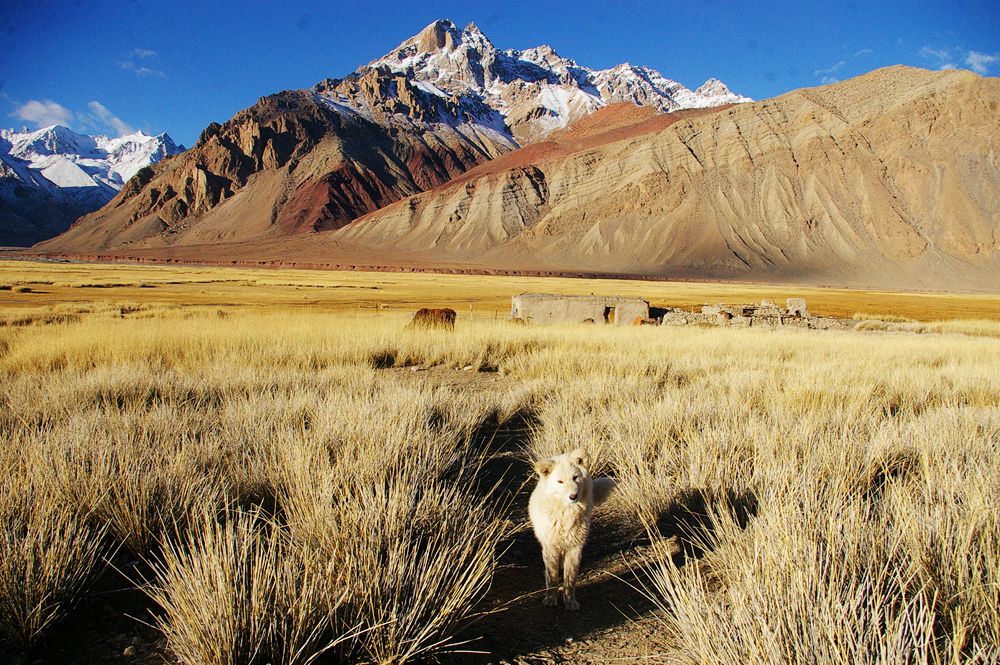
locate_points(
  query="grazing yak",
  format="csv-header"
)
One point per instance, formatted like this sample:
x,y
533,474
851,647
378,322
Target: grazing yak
x,y
434,318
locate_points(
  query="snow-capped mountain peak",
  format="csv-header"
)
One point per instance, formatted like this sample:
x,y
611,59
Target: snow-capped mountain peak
x,y
535,90
130,153
99,159
471,37
713,87
53,174
52,140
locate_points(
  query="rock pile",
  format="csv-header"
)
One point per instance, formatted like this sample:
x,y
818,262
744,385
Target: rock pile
x,y
764,314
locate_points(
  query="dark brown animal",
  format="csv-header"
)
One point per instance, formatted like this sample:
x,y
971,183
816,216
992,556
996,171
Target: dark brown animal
x,y
434,318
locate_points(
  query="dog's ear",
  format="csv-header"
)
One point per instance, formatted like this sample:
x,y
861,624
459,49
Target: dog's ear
x,y
580,458
543,467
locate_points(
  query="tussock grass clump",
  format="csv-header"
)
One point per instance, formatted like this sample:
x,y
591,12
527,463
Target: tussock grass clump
x,y
238,591
48,555
973,328
414,563
405,524
798,586
888,318
827,575
138,481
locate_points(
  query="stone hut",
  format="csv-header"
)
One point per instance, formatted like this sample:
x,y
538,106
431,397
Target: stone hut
x,y
552,308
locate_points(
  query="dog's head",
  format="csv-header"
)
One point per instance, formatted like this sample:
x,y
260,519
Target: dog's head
x,y
565,475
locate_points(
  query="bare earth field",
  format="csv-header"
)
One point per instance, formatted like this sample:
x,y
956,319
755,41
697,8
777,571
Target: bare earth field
x,y
214,465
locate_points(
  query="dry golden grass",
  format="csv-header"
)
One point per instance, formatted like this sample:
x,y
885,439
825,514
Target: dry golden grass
x,y
111,284
809,496
973,327
238,590
48,554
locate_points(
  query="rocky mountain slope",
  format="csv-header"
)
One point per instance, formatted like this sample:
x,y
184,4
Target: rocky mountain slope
x,y
51,176
295,162
889,179
312,160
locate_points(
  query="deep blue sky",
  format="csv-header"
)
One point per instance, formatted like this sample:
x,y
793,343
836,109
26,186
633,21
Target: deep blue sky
x,y
176,66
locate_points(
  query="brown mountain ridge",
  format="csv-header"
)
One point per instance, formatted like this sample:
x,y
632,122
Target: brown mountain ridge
x,y
292,163
891,180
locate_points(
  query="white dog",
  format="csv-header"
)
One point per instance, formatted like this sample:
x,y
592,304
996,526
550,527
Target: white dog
x,y
561,509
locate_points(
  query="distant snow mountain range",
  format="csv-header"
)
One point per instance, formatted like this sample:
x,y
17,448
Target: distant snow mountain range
x,y
51,176
531,92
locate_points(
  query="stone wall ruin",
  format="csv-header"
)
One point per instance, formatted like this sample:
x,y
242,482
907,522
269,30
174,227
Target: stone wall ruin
x,y
764,314
553,308
618,310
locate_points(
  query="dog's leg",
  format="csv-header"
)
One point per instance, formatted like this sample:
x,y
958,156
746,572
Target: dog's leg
x,y
571,566
551,557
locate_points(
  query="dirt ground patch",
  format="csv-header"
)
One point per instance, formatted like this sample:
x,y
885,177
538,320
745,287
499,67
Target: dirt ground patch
x,y
615,621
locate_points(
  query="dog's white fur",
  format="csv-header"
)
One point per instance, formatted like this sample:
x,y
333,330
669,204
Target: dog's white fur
x,y
561,509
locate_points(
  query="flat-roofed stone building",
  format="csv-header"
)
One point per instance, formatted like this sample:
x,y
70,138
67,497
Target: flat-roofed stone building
x,y
553,308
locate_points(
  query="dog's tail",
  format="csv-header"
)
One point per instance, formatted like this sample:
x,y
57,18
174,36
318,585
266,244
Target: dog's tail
x,y
603,487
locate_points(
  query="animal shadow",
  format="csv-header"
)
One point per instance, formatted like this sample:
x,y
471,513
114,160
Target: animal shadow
x,y
690,519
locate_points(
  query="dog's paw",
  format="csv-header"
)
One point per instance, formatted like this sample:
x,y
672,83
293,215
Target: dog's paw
x,y
550,600
572,604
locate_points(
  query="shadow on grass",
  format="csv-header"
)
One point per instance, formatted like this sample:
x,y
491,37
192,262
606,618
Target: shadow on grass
x,y
689,519
109,626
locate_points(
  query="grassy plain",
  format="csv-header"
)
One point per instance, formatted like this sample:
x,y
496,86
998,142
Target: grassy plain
x,y
59,283
263,472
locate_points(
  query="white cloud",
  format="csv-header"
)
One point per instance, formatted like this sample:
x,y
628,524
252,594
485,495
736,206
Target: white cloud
x,y
140,71
942,54
131,63
829,71
829,75
44,113
980,62
97,117
974,60
102,115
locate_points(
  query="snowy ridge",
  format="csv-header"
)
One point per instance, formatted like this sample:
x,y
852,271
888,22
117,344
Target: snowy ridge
x,y
51,176
68,159
535,90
